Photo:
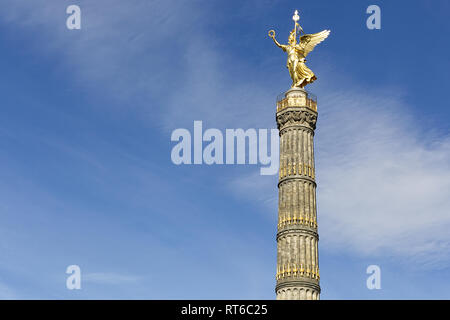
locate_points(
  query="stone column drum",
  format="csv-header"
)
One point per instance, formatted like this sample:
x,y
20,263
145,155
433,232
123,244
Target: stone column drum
x,y
297,237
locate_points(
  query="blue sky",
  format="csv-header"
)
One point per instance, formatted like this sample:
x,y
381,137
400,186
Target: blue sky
x,y
86,176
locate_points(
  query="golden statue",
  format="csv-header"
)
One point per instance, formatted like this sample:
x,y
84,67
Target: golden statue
x,y
301,75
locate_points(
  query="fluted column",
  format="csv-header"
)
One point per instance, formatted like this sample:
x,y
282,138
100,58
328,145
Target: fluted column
x,y
297,238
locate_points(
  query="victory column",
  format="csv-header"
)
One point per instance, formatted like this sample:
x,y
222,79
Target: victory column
x,y
297,273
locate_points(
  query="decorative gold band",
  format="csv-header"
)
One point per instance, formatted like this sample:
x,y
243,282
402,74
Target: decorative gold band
x,y
302,219
295,270
296,169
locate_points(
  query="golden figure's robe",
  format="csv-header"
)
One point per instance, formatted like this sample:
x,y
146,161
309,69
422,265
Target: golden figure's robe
x,y
301,75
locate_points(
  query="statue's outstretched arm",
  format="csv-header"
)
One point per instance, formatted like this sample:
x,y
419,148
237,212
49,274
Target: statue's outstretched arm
x,y
278,44
272,35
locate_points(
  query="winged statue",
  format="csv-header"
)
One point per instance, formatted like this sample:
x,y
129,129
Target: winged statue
x,y
301,75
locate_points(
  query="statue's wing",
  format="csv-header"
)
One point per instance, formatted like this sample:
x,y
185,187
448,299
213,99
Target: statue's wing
x,y
309,41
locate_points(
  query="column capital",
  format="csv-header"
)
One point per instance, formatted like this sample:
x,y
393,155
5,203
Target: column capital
x,y
296,116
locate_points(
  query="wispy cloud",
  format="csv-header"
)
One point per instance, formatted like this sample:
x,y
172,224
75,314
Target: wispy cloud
x,y
212,93
147,63
262,190
119,51
383,180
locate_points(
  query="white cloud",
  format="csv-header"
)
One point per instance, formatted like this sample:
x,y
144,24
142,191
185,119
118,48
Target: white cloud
x,y
166,63
121,50
211,93
258,188
383,181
